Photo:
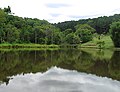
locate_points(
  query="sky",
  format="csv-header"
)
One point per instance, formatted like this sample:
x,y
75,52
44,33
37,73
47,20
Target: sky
x,y
56,11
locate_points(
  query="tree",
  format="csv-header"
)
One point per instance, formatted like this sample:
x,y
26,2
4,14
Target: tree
x,y
1,35
25,34
39,35
85,32
11,34
53,35
7,10
115,33
2,24
2,16
72,39
56,37
67,31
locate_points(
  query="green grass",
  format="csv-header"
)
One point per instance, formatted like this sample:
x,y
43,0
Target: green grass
x,y
93,44
7,45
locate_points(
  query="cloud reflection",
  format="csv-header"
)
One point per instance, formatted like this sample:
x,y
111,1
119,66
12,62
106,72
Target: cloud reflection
x,y
60,80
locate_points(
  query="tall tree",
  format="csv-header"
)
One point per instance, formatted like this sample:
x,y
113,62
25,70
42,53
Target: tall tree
x,y
72,39
85,32
2,16
115,33
2,24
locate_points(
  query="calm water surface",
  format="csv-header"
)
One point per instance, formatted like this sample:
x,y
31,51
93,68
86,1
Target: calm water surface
x,y
69,70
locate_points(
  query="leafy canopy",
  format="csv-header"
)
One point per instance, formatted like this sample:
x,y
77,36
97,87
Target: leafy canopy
x,y
115,33
85,32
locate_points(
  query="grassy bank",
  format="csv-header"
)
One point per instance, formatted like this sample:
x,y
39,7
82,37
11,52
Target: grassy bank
x,y
95,43
27,46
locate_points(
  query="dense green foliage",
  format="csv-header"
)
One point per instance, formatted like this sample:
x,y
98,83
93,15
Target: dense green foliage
x,y
85,32
14,29
100,24
72,39
115,33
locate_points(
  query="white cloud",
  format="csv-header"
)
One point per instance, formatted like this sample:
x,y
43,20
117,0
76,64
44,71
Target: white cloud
x,y
62,10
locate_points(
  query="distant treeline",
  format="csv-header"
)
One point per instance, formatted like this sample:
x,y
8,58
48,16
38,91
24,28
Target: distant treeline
x,y
100,24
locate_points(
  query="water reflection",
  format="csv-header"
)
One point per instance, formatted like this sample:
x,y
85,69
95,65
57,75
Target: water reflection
x,y
60,80
101,63
114,65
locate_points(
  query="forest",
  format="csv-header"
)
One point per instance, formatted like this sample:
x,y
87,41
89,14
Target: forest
x,y
14,29
100,24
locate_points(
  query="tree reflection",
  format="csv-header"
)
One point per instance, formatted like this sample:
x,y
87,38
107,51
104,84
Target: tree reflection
x,y
95,62
114,65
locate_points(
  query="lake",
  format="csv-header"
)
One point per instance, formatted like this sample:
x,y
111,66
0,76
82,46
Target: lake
x,y
64,70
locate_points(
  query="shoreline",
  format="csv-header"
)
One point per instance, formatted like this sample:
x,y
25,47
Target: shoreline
x,y
12,46
52,46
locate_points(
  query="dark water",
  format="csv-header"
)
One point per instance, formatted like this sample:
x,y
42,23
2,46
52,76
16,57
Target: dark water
x,y
69,70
